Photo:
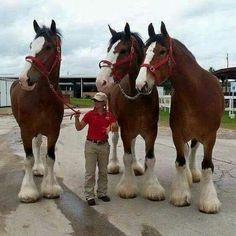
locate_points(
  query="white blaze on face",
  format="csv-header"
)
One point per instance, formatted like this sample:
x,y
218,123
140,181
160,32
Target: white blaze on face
x,y
104,79
36,47
142,76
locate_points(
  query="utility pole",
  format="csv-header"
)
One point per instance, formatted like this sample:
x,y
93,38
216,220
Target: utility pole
x,y
227,60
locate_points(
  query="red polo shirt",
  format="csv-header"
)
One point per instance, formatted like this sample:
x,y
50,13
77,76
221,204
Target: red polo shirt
x,y
97,124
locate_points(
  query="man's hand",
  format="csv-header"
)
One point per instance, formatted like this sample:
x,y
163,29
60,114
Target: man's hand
x,y
76,115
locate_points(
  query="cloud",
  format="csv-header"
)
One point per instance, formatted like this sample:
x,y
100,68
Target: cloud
x,y
206,27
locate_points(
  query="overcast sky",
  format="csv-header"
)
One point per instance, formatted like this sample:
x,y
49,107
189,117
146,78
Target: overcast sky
x,y
206,27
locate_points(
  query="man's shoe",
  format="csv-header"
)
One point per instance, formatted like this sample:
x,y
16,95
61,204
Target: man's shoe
x,y
105,198
91,202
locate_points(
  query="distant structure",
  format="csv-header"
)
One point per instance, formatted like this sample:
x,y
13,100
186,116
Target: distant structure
x,y
75,86
85,86
226,76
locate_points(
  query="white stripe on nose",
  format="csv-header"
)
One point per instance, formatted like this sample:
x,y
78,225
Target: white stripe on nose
x,y
36,47
142,76
104,78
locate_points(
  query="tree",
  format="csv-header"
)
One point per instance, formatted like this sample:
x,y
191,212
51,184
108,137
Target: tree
x,y
211,69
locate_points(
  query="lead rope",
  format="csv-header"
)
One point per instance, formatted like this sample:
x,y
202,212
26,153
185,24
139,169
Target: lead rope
x,y
61,99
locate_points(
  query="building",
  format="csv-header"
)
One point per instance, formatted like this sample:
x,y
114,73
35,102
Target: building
x,y
76,86
226,76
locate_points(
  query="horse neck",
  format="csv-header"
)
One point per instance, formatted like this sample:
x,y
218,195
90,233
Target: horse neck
x,y
186,71
53,79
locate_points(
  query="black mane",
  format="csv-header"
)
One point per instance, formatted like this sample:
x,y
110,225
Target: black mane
x,y
159,38
123,36
47,33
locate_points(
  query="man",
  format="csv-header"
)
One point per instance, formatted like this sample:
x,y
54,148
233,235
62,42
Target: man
x,y
97,149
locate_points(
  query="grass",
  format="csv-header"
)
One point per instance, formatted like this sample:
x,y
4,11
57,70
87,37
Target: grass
x,y
226,122
81,102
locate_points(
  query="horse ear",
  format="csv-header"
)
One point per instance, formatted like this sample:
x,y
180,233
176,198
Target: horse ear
x,y
163,30
113,32
36,26
127,30
151,31
53,27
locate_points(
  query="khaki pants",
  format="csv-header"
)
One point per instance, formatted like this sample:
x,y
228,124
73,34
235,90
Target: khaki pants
x,y
96,154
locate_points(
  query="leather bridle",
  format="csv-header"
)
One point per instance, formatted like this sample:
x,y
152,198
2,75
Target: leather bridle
x,y
167,59
115,66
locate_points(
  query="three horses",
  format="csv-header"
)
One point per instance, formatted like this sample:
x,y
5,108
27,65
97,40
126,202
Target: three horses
x,y
197,105
136,114
38,111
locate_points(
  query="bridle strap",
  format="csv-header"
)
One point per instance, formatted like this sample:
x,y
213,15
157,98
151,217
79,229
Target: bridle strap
x,y
167,59
40,66
114,66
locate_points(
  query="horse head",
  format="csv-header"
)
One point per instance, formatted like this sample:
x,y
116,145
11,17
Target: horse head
x,y
124,56
44,57
158,62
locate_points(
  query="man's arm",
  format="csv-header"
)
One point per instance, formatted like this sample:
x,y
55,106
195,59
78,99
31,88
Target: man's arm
x,y
79,125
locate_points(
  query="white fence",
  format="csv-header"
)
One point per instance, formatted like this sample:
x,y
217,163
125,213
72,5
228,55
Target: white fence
x,y
165,101
5,99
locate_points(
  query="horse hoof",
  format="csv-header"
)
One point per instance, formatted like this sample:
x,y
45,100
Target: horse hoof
x,y
196,175
138,172
52,193
210,207
38,173
28,198
180,202
128,196
113,168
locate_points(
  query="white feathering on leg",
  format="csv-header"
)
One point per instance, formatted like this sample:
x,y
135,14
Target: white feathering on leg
x,y
208,202
50,188
180,189
152,189
127,187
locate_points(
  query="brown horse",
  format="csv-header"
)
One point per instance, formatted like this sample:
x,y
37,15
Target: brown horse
x,y
136,114
197,106
38,111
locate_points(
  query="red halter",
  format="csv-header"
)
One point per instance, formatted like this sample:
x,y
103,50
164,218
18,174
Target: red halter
x,y
167,59
40,66
114,66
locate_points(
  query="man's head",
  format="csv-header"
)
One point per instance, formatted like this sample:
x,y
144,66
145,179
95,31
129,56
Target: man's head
x,y
100,97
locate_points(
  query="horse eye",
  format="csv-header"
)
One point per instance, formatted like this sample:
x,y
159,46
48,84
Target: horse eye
x,y
123,51
162,52
48,47
30,45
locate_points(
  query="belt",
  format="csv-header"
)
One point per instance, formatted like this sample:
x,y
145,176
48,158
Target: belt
x,y
97,141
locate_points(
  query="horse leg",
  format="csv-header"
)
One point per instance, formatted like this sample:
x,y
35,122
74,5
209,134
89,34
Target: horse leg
x,y
38,168
180,189
196,173
28,191
151,189
136,165
127,186
114,166
209,202
50,188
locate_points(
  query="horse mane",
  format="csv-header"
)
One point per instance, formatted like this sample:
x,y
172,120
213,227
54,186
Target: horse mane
x,y
159,38
48,33
123,36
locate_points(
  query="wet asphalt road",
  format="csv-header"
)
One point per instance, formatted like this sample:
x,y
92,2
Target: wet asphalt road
x,y
70,215
84,220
